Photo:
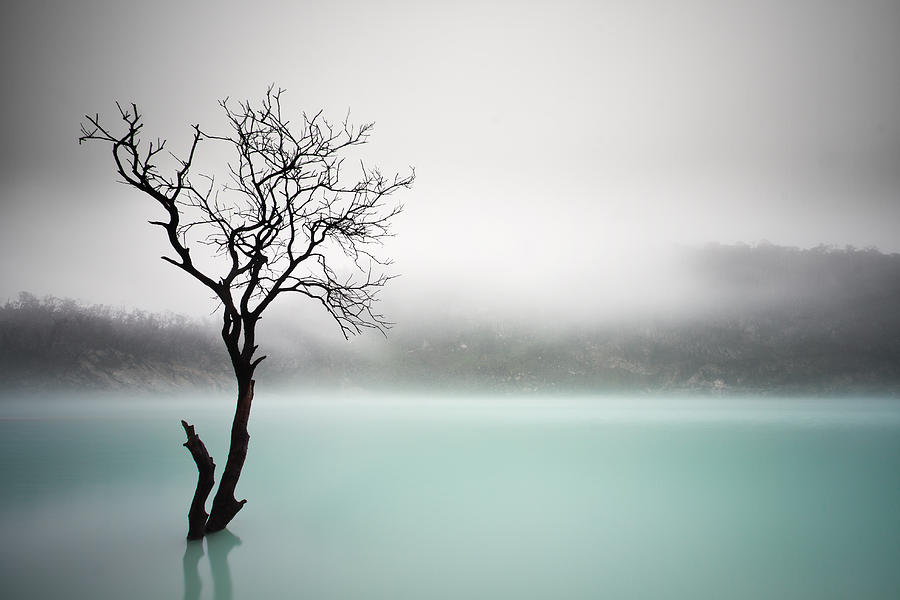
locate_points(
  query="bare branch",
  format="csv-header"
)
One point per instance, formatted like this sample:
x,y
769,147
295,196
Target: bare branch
x,y
286,219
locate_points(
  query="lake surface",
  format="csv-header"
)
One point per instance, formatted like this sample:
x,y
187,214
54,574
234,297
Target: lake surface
x,y
425,498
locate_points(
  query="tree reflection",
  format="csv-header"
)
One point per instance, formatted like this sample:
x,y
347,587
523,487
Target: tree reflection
x,y
189,562
219,545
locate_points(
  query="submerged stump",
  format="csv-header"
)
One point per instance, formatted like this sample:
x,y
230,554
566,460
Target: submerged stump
x,y
206,468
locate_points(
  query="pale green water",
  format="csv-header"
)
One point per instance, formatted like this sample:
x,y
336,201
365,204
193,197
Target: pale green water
x,y
493,499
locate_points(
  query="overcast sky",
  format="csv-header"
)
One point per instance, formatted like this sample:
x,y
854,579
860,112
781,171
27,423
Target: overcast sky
x,y
557,144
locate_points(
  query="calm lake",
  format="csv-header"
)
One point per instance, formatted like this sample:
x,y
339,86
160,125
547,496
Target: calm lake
x,y
431,498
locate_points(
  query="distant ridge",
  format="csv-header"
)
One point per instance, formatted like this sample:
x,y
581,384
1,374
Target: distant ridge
x,y
52,342
769,320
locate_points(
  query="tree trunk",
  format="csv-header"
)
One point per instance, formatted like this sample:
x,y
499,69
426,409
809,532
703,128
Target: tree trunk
x,y
225,506
205,479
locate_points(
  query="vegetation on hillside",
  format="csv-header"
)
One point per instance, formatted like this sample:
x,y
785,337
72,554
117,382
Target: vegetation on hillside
x,y
52,342
768,320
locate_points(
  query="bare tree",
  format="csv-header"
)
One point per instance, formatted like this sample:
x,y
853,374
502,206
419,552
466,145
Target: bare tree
x,y
283,222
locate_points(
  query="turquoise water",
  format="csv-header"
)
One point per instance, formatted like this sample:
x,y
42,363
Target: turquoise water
x,y
366,498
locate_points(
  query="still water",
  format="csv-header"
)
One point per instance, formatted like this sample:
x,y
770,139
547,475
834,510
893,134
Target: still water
x,y
425,498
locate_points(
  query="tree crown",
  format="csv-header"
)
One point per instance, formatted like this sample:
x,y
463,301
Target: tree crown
x,y
286,220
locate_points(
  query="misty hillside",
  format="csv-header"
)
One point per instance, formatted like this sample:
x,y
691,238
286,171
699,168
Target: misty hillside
x,y
767,319
56,342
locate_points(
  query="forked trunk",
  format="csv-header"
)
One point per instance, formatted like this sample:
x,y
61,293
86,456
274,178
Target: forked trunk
x,y
225,505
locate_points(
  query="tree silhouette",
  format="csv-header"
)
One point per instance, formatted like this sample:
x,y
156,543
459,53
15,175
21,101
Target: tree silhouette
x,y
285,221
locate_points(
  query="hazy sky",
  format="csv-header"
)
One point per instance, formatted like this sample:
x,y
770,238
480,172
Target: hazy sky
x,y
557,144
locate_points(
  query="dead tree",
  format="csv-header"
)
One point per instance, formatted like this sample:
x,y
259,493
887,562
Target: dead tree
x,y
285,221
